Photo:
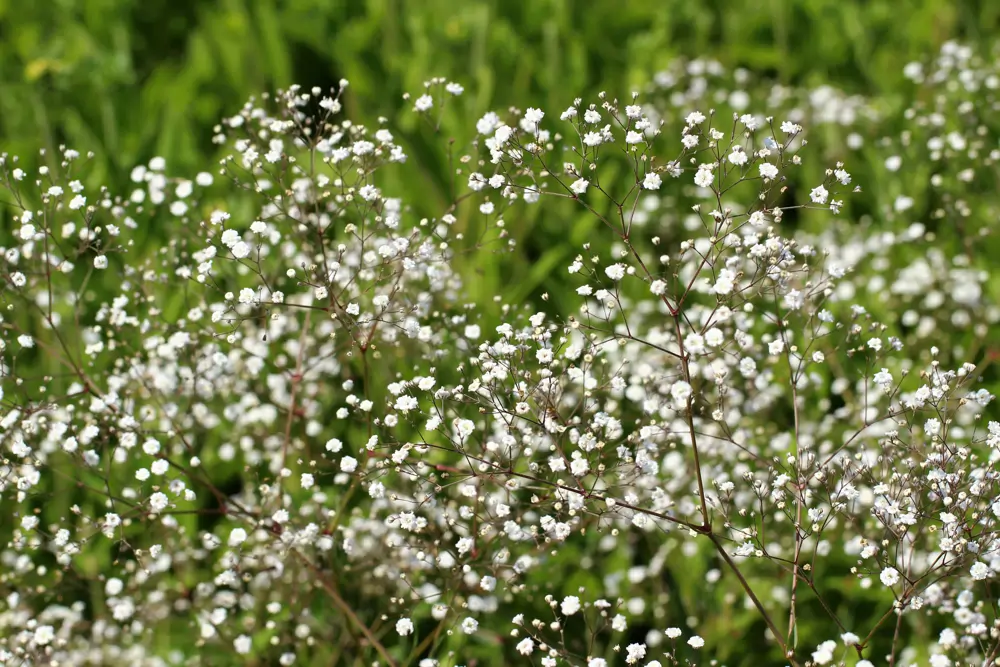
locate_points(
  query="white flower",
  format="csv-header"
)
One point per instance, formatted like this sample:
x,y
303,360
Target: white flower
x,y
714,337
652,181
818,195
237,537
487,123
348,464
230,237
242,644
534,115
694,343
101,262
423,103
767,171
579,186
738,157
883,378
703,178
360,148
476,181
824,652
979,571
470,625
616,271
724,283
889,576
44,634
158,501
570,605
404,626
680,391
696,642
635,653
695,118
525,647
241,250
502,135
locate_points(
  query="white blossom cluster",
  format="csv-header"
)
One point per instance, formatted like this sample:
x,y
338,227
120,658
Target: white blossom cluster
x,y
290,427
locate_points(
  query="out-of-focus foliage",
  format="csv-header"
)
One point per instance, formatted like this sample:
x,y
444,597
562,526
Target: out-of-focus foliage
x,y
130,79
134,79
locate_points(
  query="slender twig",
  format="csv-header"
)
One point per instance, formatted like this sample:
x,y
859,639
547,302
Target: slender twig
x,y
346,608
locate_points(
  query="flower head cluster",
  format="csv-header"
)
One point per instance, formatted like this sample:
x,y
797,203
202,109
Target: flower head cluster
x,y
293,424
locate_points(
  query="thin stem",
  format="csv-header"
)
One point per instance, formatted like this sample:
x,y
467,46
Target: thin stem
x,y
346,609
789,655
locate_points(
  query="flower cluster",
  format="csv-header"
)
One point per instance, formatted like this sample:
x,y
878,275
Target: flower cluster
x,y
266,407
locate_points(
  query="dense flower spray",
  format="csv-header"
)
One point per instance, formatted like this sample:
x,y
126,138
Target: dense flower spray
x,y
288,430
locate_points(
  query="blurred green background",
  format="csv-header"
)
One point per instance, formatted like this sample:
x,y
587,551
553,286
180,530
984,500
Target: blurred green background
x,y
130,79
134,79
